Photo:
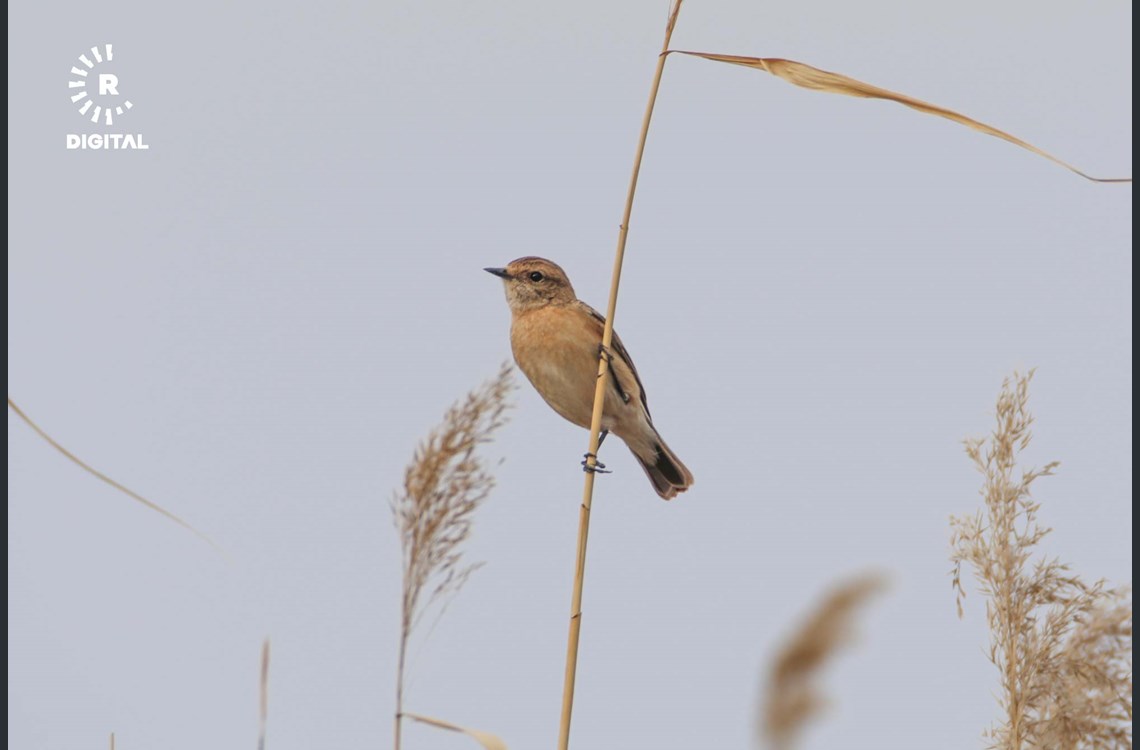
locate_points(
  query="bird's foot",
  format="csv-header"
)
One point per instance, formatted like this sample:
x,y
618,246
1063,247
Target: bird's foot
x,y
595,468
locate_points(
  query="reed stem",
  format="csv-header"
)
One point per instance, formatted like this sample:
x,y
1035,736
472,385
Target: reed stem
x,y
599,400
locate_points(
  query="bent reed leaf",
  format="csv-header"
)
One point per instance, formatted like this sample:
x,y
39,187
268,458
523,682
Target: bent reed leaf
x,y
486,739
808,77
104,478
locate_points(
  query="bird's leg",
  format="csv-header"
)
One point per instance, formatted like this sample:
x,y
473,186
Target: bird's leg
x,y
597,467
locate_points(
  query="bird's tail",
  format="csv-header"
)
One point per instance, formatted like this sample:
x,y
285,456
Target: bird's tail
x,y
668,475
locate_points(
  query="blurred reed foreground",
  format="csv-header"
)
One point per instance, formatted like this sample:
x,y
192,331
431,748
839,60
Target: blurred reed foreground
x,y
1062,646
792,697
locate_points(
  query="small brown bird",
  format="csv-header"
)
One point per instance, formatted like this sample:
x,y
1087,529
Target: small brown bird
x,y
556,339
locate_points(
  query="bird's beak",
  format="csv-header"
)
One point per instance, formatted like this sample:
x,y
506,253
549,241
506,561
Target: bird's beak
x,y
500,272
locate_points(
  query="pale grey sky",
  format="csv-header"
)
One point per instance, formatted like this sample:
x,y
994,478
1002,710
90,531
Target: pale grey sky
x,y
255,320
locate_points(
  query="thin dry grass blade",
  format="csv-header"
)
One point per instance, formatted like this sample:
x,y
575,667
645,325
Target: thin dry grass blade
x,y
104,478
263,704
808,77
792,697
486,739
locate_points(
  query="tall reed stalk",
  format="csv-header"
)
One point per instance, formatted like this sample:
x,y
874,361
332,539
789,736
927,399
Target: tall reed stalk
x,y
599,400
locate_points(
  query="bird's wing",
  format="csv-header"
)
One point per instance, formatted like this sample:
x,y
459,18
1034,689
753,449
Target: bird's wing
x,y
620,350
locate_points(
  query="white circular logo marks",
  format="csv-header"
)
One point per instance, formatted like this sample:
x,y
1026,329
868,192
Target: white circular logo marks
x,y
98,92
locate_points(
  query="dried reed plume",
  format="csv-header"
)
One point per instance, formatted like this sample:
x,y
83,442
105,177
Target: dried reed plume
x,y
792,697
443,486
1063,646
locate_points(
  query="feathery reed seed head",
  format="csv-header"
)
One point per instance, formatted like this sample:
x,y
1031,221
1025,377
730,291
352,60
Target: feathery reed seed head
x,y
443,486
1063,647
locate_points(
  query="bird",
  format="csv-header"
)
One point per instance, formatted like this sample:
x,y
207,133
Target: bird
x,y
556,341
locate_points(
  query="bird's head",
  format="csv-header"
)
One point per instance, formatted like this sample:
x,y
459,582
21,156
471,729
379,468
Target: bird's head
x,y
533,282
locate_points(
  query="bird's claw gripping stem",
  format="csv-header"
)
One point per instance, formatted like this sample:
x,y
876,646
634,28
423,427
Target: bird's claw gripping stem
x,y
595,468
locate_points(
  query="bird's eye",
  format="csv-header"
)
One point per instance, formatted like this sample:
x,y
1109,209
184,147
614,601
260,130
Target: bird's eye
x,y
536,276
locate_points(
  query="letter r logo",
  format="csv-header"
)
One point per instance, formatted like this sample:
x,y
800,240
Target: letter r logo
x,y
96,93
108,84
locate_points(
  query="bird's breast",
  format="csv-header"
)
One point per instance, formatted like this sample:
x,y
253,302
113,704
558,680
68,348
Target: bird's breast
x,y
557,349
